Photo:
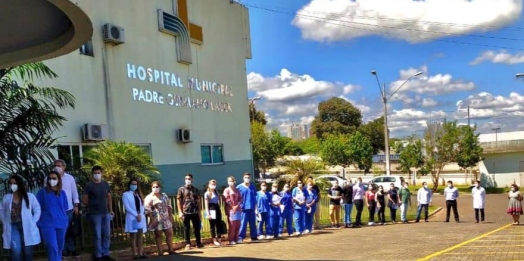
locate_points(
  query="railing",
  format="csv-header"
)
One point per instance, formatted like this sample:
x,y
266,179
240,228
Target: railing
x,y
503,146
121,239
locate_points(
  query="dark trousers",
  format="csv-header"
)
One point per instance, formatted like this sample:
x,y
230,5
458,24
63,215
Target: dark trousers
x,y
215,225
452,204
372,207
195,219
419,211
359,206
393,213
481,210
382,214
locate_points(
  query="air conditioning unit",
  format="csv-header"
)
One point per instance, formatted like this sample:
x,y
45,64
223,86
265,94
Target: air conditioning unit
x,y
113,34
95,132
183,135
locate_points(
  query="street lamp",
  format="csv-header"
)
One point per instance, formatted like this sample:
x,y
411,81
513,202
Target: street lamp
x,y
496,130
519,75
385,99
251,119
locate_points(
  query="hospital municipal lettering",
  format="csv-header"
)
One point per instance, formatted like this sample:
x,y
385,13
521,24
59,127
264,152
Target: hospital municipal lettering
x,y
181,95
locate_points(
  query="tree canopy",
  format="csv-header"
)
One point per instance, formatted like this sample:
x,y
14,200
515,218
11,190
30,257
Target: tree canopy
x,y
336,116
374,130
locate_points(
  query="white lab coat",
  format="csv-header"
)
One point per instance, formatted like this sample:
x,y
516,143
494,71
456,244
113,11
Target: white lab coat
x,y
131,213
479,197
30,216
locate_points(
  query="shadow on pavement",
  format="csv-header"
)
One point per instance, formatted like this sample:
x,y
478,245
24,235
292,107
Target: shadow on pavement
x,y
184,257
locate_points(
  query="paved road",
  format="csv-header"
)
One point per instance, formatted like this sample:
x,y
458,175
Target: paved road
x,y
435,240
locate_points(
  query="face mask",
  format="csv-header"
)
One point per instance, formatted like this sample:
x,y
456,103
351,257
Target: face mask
x,y
212,186
274,189
133,187
14,187
381,189
309,187
53,182
286,189
247,180
188,182
156,190
231,183
406,186
97,176
425,186
58,169
449,186
477,185
358,183
299,185
263,188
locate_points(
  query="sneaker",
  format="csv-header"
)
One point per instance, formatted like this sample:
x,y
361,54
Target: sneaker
x,y
232,242
306,231
200,246
298,234
216,243
270,237
261,237
188,247
280,235
240,241
370,223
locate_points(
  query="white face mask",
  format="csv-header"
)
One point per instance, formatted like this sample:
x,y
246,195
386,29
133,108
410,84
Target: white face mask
x,y
425,186
247,180
286,189
188,182
97,176
231,183
53,182
449,185
263,188
299,185
58,169
358,183
156,190
212,186
274,189
14,187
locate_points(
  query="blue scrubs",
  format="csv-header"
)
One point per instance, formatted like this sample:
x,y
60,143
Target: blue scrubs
x,y
248,204
300,210
287,214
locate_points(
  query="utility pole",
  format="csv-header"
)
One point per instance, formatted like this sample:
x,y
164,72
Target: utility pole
x,y
386,129
496,130
468,116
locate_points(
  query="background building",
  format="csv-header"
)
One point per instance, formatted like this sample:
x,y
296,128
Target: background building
x,y
167,75
298,131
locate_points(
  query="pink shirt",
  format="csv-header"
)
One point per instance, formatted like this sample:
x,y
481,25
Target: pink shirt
x,y
233,198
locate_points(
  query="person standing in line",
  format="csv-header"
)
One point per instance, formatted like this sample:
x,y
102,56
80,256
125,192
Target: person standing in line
x,y
358,201
188,203
451,193
19,214
479,200
347,193
393,202
53,220
263,198
335,195
213,213
380,199
286,206
97,198
405,202
248,204
299,195
158,207
317,204
514,204
274,211
135,218
233,210
310,208
424,199
73,200
371,203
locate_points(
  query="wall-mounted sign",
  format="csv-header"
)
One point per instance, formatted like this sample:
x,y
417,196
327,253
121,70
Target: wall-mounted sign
x,y
171,79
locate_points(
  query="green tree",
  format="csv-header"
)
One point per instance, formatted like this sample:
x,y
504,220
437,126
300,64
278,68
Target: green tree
x,y
310,145
292,149
361,151
255,115
469,151
335,150
302,169
374,131
121,161
264,152
441,141
410,154
29,115
336,116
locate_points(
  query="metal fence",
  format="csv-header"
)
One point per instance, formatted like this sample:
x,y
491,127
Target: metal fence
x,y
121,239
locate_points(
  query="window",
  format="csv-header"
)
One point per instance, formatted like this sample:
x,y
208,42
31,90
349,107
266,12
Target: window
x,y
375,180
87,48
212,154
389,179
72,155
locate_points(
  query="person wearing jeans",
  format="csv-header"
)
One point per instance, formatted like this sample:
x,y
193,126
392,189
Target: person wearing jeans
x,y
358,201
248,204
424,199
347,191
97,197
19,213
188,203
451,193
393,202
286,203
405,202
371,203
299,195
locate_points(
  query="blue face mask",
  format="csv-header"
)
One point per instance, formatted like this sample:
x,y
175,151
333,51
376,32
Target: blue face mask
x,y
133,187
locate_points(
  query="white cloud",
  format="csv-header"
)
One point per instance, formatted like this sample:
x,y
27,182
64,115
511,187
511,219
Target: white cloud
x,y
409,20
499,57
428,102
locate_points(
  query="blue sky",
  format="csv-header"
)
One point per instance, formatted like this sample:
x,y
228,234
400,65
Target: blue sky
x,y
307,51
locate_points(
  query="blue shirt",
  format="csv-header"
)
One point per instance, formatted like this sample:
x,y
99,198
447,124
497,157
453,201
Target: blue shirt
x,y
296,192
54,209
287,200
312,197
263,201
249,196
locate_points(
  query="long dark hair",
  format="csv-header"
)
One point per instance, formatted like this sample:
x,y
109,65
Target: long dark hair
x,y
58,186
138,191
21,188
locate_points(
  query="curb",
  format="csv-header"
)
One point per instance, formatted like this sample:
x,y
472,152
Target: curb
x,y
434,212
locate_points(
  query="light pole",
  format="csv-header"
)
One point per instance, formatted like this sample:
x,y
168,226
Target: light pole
x,y
251,119
519,75
385,99
496,130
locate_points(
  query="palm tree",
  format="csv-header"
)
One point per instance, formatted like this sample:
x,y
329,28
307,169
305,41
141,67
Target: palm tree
x,y
28,118
121,161
302,169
